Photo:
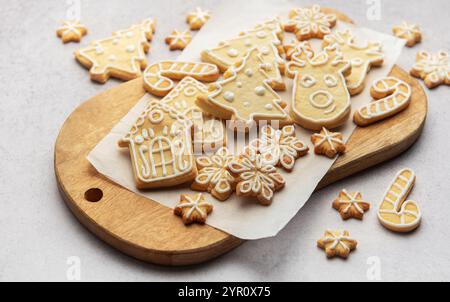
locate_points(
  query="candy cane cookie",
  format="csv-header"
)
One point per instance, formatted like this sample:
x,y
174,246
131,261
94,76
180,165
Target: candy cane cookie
x,y
394,212
391,97
158,77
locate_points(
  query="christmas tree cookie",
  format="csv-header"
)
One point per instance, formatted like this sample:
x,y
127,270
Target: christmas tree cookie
x,y
266,38
245,95
121,56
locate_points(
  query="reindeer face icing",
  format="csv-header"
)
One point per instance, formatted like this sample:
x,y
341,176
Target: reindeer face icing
x,y
321,98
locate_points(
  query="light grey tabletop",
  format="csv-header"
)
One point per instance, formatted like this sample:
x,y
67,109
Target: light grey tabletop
x,y
41,84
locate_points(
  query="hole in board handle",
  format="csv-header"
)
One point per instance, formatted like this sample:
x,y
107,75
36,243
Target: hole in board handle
x,y
93,195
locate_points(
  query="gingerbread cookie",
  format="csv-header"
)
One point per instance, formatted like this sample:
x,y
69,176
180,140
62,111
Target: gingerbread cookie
x,y
266,38
121,56
408,31
178,40
350,205
193,208
278,147
245,95
158,77
337,243
434,69
308,23
208,133
160,147
395,213
320,97
391,97
328,143
361,57
214,176
71,31
256,179
198,18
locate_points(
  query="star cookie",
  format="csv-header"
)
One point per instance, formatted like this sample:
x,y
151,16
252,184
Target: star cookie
x,y
350,205
337,243
308,23
71,31
198,18
255,178
193,208
213,175
278,147
178,40
434,69
408,31
328,143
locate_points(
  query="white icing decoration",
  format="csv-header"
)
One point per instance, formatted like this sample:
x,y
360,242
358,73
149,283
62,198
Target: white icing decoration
x,y
260,90
330,80
261,34
308,81
249,72
269,106
232,52
265,51
248,43
228,96
190,91
112,58
246,104
131,48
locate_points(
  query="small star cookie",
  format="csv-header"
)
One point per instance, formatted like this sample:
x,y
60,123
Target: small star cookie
x,y
434,69
308,23
408,31
278,147
179,40
193,208
350,205
328,143
255,178
214,176
337,243
71,31
198,18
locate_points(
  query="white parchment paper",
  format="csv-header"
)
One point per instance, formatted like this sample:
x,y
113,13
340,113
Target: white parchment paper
x,y
240,217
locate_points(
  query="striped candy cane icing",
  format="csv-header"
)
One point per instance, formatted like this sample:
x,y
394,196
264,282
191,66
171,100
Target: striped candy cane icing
x,y
158,78
392,96
396,214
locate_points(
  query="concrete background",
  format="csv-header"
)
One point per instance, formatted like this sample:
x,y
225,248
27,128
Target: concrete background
x,y
41,84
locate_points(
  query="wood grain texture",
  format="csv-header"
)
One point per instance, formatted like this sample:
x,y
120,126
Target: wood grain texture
x,y
149,231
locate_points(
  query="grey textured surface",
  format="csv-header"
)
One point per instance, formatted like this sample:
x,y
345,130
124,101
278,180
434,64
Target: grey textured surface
x,y
41,85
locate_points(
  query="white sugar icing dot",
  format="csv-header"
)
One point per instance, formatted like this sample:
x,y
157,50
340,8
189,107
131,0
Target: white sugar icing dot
x,y
139,139
261,34
99,50
239,84
228,96
233,52
115,41
269,106
246,104
249,72
266,66
248,43
265,51
112,58
260,90
130,34
131,48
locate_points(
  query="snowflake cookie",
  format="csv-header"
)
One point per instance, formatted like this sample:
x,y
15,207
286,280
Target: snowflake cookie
x,y
198,18
213,175
350,205
308,23
255,178
71,31
245,96
193,208
278,147
408,31
337,243
121,56
179,40
434,69
395,212
328,143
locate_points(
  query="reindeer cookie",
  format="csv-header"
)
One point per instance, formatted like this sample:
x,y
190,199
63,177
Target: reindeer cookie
x,y
121,56
158,77
193,208
391,97
361,57
245,95
395,213
308,23
161,147
320,97
208,133
266,38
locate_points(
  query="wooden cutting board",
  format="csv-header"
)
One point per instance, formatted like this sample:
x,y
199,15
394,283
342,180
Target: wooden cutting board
x,y
149,231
